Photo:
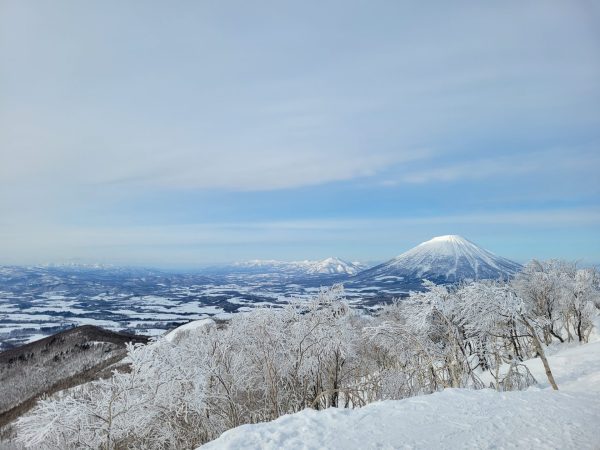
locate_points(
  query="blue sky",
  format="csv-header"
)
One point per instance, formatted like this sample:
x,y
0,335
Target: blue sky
x,y
183,134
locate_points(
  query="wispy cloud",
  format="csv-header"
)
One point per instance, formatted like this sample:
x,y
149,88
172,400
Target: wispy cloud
x,y
564,161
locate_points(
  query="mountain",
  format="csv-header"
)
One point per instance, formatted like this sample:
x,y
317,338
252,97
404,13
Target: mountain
x,y
328,266
443,259
334,265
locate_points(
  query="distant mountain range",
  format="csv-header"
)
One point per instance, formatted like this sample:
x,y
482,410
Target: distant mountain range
x,y
328,266
443,259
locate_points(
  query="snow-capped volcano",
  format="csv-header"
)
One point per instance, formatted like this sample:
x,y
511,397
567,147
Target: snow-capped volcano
x,y
448,259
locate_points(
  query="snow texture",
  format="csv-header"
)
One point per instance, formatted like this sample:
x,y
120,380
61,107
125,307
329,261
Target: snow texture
x,y
538,418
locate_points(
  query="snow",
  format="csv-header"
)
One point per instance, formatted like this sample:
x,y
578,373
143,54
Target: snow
x,y
538,418
194,325
450,419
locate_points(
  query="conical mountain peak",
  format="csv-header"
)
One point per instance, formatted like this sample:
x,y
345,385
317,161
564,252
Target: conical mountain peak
x,y
444,259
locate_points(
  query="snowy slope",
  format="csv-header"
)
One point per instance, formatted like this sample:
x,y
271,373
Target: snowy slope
x,y
190,327
444,259
452,419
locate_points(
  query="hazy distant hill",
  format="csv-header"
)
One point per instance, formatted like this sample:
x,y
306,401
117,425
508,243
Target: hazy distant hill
x,y
293,269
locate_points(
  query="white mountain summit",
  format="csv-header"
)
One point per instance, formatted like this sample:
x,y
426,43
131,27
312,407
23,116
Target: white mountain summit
x,y
334,265
447,258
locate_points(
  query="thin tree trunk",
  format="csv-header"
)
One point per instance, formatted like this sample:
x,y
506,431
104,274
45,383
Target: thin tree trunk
x,y
515,345
539,348
556,335
579,332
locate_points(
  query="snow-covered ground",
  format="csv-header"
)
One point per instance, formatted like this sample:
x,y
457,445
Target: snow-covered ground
x,y
538,418
189,327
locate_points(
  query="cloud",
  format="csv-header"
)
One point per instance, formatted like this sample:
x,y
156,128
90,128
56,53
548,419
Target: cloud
x,y
107,107
207,104
565,161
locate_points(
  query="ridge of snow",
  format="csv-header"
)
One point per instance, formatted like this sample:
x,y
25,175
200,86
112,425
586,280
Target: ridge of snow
x,y
177,333
537,418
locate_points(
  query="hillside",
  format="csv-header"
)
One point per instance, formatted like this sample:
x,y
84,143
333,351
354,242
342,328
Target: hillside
x,y
56,362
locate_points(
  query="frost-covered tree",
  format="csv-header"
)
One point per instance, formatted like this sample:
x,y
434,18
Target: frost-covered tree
x,y
502,326
541,284
583,294
189,389
565,296
422,346
157,404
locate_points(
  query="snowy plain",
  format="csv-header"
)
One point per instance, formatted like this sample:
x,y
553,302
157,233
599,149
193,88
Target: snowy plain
x,y
537,418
